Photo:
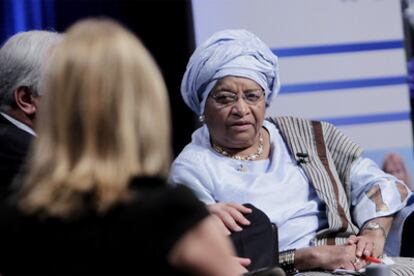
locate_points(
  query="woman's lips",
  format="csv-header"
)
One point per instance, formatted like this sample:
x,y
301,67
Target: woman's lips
x,y
242,126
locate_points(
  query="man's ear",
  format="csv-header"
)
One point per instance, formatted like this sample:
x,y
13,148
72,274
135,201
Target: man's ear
x,y
25,100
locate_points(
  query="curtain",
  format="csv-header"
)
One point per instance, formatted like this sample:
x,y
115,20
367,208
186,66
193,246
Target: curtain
x,y
24,15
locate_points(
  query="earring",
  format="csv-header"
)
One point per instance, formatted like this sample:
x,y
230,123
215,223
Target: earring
x,y
202,118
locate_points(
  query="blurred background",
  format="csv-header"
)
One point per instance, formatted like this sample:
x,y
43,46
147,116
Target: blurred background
x,y
348,62
164,26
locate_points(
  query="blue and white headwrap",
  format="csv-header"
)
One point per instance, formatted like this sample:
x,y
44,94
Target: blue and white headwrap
x,y
229,53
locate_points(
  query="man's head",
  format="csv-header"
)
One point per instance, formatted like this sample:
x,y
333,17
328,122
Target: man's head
x,y
22,61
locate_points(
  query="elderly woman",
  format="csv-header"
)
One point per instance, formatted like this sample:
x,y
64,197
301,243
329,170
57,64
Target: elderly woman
x,y
333,208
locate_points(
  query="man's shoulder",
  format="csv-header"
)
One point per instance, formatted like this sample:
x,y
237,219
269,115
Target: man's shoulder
x,y
12,137
9,131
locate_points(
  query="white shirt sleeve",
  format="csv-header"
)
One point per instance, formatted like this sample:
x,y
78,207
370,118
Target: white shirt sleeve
x,y
375,193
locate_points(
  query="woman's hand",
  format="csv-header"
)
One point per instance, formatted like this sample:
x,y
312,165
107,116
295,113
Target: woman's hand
x,y
369,243
328,257
230,216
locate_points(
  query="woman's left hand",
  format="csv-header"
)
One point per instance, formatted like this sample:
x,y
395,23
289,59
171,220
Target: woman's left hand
x,y
369,243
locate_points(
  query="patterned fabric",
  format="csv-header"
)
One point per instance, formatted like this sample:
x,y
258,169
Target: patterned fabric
x,y
402,267
330,156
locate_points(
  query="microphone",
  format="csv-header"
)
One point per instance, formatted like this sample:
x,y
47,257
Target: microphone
x,y
302,157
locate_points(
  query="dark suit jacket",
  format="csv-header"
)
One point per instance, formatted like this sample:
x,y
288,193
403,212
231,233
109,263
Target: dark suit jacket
x,y
14,145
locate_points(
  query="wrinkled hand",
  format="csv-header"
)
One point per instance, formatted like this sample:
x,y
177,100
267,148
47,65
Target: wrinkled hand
x,y
328,257
369,243
230,216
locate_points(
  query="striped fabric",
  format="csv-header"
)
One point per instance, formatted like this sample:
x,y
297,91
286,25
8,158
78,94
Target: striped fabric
x,y
402,267
329,157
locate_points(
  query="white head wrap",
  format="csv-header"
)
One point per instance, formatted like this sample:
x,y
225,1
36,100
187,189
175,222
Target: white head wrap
x,y
229,53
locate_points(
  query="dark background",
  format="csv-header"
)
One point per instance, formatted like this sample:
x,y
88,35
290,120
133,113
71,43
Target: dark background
x,y
165,29
164,26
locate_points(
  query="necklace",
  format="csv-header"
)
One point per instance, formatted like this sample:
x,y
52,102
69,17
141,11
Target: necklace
x,y
250,157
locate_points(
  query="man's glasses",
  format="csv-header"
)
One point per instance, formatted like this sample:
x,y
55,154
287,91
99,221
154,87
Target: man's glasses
x,y
225,98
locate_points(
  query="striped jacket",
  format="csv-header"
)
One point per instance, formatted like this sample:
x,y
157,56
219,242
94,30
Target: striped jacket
x,y
325,155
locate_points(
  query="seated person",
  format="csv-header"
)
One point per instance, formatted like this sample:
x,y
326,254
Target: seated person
x,y
22,60
394,164
333,207
94,200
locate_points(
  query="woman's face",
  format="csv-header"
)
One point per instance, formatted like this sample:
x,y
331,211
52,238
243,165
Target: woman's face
x,y
235,111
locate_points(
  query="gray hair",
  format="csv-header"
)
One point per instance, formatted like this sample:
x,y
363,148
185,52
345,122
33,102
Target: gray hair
x,y
22,61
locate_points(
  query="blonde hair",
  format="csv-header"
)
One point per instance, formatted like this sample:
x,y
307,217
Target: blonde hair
x,y
104,119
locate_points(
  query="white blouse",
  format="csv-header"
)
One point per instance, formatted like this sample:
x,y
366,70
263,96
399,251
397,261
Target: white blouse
x,y
277,186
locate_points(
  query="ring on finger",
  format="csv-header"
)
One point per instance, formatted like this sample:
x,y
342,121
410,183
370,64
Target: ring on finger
x,y
356,261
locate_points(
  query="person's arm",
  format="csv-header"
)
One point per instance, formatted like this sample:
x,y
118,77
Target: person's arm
x,y
375,193
204,250
376,197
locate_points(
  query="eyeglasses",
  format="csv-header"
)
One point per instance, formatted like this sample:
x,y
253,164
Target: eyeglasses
x,y
225,98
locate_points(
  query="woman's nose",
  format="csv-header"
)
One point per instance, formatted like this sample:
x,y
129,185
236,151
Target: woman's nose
x,y
240,107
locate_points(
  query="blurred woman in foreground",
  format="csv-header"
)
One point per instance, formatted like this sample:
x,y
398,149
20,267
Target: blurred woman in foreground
x,y
94,199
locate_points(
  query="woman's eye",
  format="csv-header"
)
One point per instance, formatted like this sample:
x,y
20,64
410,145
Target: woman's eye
x,y
252,97
225,98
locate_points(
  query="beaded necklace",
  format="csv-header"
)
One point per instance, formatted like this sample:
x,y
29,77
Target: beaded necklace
x,y
250,157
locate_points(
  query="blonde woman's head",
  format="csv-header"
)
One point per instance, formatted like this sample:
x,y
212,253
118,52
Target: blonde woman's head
x,y
104,119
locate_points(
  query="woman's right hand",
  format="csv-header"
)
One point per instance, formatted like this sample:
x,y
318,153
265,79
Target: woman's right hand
x,y
328,257
230,216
